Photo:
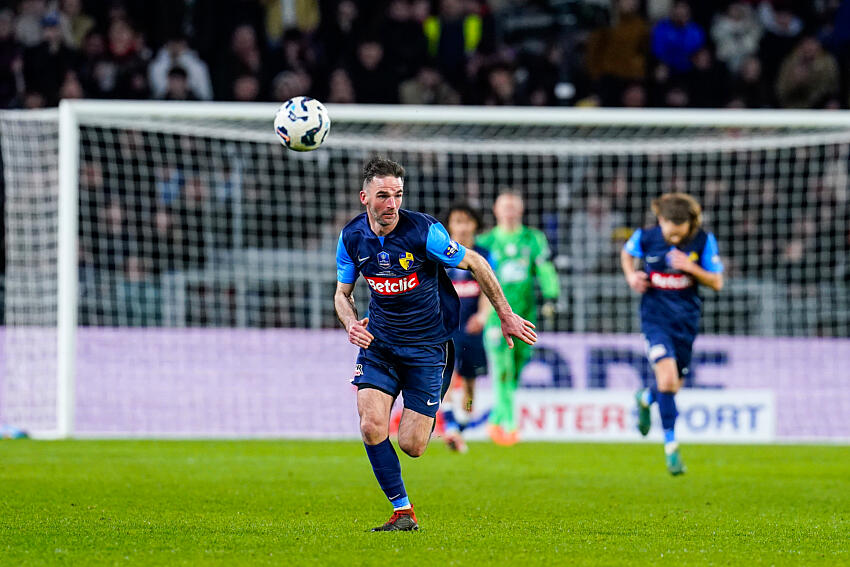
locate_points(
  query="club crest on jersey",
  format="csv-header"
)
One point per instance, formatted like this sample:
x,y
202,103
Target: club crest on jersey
x,y
451,249
405,260
384,259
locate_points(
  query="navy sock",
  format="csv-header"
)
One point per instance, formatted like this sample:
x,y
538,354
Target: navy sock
x,y
667,409
387,470
653,393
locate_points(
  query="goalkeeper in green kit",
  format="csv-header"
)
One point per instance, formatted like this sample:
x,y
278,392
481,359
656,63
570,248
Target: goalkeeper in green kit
x,y
520,255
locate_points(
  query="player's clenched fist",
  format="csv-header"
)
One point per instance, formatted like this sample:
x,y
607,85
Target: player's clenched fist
x,y
515,326
638,281
680,261
358,335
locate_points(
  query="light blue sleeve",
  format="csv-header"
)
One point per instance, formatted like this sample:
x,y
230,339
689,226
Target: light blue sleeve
x,y
346,271
633,244
710,257
441,248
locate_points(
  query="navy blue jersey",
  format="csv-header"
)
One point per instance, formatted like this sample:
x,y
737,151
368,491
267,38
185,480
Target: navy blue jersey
x,y
412,299
467,289
672,294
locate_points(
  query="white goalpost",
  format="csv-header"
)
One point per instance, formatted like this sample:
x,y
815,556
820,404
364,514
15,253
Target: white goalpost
x,y
170,267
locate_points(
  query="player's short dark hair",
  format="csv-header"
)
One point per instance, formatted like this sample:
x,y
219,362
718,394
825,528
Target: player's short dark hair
x,y
678,208
381,167
464,208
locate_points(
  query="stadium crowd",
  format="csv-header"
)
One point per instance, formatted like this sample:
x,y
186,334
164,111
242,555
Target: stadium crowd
x,y
632,53
183,215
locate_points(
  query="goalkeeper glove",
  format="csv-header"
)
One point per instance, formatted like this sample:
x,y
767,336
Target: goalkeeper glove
x,y
548,311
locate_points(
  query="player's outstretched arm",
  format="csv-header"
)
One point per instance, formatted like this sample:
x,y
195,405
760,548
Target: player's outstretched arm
x,y
346,312
512,324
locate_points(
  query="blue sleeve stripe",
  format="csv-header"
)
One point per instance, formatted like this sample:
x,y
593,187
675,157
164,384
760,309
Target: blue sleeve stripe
x,y
346,271
710,257
441,248
633,244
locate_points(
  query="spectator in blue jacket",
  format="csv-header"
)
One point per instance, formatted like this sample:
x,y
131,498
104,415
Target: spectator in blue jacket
x,y
677,38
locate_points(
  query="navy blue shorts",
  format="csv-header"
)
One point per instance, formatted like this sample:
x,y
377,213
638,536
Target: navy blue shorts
x,y
470,358
669,340
422,374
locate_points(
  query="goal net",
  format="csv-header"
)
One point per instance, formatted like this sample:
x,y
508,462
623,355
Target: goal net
x,y
198,293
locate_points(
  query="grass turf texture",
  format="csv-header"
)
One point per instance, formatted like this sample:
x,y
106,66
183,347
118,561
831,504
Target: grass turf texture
x,y
302,503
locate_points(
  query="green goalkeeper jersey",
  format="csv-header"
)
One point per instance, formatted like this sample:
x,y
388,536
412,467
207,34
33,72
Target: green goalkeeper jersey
x,y
520,257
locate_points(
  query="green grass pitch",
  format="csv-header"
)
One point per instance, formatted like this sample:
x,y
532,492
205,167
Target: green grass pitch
x,y
310,503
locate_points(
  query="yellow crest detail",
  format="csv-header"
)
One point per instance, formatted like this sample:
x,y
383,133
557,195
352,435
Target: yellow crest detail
x,y
693,256
405,260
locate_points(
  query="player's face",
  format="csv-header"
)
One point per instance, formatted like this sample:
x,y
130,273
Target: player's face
x,y
674,233
382,197
462,226
508,210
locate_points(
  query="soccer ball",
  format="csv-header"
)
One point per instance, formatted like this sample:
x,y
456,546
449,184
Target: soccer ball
x,y
302,123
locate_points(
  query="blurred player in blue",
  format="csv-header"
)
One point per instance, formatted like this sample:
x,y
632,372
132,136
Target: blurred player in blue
x,y
405,342
678,255
463,223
